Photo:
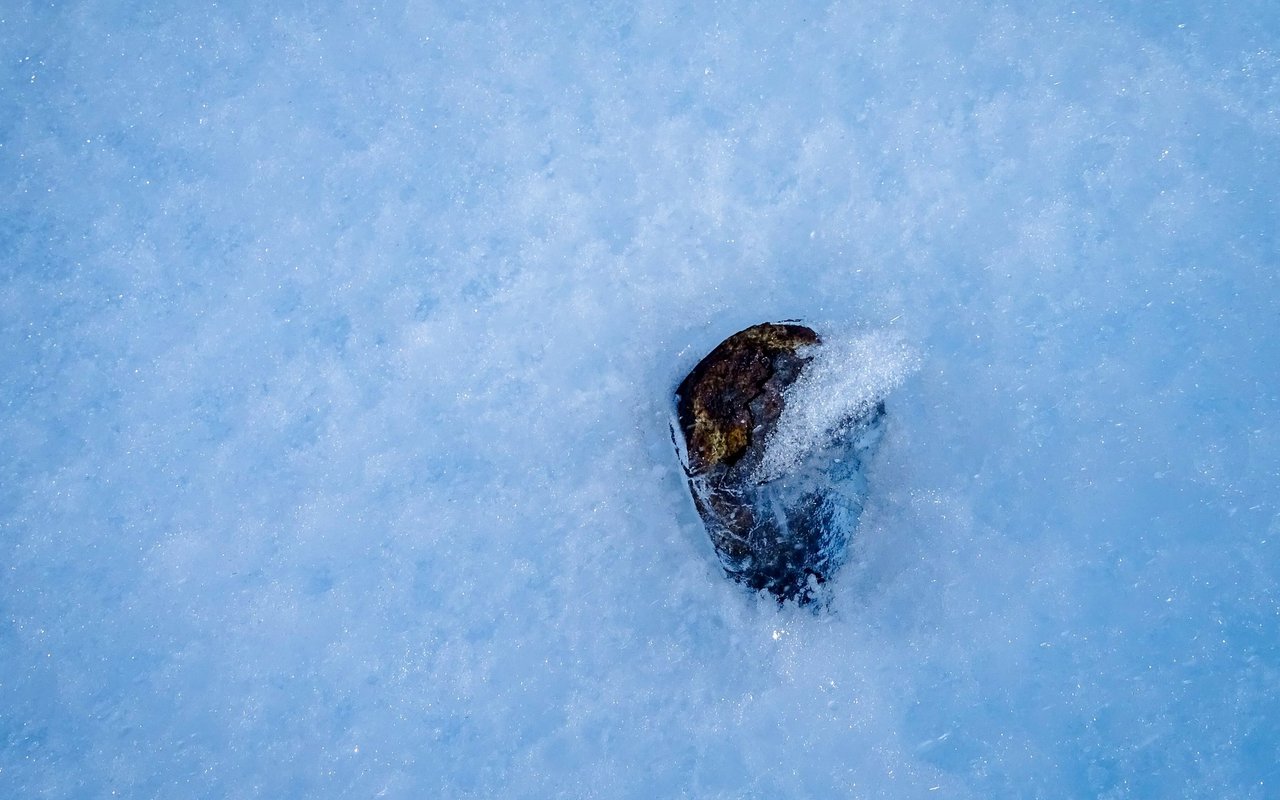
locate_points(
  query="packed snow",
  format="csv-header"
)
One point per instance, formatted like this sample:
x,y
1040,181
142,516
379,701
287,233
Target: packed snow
x,y
337,350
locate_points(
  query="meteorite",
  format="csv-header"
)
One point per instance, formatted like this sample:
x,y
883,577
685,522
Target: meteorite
x,y
775,456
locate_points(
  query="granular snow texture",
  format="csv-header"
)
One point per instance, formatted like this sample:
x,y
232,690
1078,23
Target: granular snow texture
x,y
337,342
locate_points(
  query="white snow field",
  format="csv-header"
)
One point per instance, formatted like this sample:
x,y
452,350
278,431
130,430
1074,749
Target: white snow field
x,y
337,344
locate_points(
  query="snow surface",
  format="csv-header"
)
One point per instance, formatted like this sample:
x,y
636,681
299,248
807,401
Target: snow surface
x,y
337,343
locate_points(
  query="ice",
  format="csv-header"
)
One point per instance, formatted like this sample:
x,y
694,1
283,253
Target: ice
x,y
337,346
846,378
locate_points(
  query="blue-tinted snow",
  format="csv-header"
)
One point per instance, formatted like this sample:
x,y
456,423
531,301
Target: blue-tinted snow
x,y
335,365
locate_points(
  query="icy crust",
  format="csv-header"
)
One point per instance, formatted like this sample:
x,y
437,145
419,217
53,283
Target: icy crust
x,y
846,380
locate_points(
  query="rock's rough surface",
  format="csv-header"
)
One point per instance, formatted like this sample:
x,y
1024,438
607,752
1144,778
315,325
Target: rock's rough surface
x,y
787,534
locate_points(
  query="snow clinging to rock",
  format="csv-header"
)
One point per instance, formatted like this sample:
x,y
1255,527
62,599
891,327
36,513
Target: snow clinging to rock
x,y
848,376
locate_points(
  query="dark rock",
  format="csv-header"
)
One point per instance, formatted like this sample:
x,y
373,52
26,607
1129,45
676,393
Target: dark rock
x,y
785,533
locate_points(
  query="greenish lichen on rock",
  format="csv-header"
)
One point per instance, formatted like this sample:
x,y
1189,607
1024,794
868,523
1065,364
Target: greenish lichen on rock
x,y
784,533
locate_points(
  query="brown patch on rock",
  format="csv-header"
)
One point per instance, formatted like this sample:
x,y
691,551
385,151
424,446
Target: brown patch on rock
x,y
736,392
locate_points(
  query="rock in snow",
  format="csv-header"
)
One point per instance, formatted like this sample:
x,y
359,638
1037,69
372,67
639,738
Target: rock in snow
x,y
774,451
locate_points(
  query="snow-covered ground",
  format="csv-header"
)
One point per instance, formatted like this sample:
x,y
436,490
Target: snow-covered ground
x,y
337,343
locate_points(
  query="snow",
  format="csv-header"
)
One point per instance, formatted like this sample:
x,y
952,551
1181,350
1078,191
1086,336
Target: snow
x,y
337,344
847,376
